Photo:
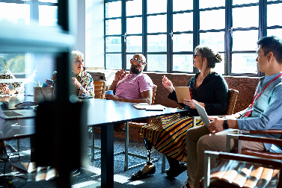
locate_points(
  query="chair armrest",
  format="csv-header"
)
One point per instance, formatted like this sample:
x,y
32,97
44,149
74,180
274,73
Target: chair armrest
x,y
270,131
240,137
269,163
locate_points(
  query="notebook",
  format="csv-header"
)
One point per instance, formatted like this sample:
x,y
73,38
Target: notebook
x,y
16,114
148,107
202,112
183,92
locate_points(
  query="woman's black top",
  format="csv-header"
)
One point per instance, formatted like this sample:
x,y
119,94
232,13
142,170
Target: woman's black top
x,y
213,92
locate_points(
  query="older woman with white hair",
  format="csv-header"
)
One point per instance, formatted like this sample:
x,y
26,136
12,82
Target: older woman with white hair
x,y
81,80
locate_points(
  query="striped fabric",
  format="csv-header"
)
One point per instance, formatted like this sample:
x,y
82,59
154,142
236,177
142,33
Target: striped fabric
x,y
168,135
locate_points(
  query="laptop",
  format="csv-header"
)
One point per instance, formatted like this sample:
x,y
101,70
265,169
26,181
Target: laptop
x,y
16,114
202,112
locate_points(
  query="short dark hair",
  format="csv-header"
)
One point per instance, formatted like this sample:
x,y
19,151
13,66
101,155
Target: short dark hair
x,y
272,44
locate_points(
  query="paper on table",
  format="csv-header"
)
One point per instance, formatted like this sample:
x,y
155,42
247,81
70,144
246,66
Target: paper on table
x,y
183,92
145,106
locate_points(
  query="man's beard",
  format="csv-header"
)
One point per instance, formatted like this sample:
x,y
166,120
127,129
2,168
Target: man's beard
x,y
134,69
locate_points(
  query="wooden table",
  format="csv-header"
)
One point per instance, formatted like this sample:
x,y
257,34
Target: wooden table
x,y
106,113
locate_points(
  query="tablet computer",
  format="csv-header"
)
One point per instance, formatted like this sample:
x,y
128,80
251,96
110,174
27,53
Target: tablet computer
x,y
202,112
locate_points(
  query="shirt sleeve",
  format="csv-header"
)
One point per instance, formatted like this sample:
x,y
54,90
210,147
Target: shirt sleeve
x,y
145,83
88,85
270,118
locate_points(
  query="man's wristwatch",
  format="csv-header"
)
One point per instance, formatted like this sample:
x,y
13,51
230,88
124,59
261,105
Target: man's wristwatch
x,y
225,124
81,88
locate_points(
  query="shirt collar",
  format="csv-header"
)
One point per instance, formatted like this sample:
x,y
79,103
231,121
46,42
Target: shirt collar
x,y
266,79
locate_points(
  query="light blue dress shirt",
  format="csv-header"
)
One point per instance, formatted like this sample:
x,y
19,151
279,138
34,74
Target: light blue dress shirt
x,y
267,109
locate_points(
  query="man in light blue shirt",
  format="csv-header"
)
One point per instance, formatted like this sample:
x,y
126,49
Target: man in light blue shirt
x,y
264,113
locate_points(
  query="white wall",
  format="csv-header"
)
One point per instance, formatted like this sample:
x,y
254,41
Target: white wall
x,y
94,33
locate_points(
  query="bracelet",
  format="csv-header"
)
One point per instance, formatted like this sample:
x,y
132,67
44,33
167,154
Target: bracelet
x,y
225,124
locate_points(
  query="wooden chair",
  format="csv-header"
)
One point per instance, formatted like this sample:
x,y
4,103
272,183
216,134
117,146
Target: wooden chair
x,y
99,88
138,125
128,124
232,99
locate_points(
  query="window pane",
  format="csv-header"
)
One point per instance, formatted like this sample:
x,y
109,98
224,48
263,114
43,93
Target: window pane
x,y
48,15
113,61
178,22
214,19
13,62
29,66
213,40
275,32
156,6
156,43
156,63
134,44
238,2
183,63
15,13
219,67
182,5
272,11
113,9
134,25
182,42
209,3
157,24
113,44
241,20
244,63
113,27
245,40
133,7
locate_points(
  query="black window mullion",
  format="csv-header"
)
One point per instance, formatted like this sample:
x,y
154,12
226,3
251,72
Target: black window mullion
x,y
105,63
262,18
228,37
144,29
262,23
169,36
123,34
196,27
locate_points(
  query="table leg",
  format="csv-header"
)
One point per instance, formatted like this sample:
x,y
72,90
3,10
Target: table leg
x,y
107,156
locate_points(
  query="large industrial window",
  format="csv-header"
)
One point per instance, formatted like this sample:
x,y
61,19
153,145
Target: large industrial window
x,y
33,67
167,31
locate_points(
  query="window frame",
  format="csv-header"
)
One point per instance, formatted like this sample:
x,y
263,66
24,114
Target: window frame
x,y
228,29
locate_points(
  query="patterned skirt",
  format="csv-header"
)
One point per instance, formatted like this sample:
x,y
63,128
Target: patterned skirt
x,y
168,135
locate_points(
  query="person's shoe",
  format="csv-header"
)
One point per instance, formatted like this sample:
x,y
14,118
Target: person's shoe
x,y
3,154
75,172
171,173
141,174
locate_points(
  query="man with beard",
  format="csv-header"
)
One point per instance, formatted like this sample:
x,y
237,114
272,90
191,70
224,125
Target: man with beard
x,y
134,87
